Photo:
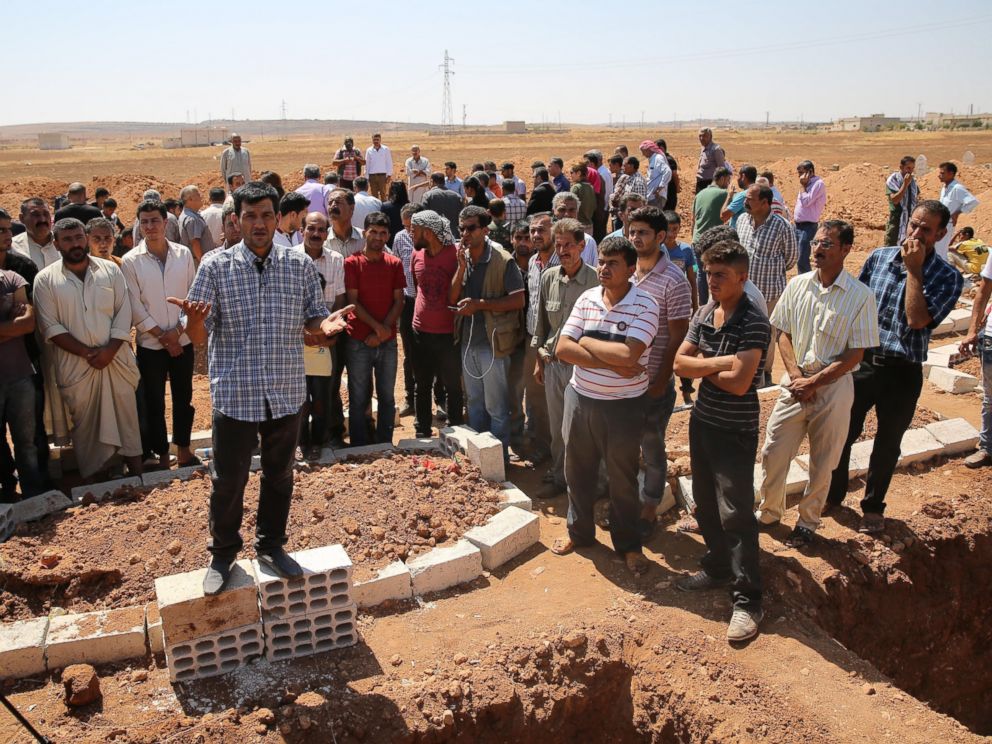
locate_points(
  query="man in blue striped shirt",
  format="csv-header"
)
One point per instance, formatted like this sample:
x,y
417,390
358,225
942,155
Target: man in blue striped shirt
x,y
914,290
255,300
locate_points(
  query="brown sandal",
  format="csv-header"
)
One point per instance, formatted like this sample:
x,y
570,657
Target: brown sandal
x,y
563,546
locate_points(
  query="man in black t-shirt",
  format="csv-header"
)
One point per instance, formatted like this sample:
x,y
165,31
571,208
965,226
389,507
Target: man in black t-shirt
x,y
77,206
725,348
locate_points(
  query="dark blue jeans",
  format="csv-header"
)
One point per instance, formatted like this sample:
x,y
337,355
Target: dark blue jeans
x,y
804,234
17,408
363,362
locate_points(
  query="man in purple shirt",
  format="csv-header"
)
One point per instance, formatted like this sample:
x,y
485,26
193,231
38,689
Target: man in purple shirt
x,y
809,207
313,189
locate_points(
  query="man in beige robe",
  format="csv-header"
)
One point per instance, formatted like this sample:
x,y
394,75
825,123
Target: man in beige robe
x,y
85,314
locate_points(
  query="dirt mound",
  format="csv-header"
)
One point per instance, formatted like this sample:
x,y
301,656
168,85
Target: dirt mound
x,y
12,193
127,189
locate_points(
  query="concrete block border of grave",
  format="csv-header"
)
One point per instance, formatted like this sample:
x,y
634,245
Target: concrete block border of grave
x,y
952,380
215,635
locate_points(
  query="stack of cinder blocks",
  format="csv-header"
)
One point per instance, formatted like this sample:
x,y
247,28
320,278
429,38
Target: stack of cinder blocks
x,y
311,614
209,635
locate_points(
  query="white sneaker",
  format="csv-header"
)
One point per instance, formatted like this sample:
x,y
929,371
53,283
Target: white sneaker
x,y
744,624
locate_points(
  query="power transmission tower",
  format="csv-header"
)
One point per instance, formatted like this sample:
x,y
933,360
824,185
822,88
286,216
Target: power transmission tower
x,y
285,127
464,115
447,118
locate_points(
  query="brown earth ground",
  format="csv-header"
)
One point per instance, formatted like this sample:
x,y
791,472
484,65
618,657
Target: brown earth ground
x,y
857,631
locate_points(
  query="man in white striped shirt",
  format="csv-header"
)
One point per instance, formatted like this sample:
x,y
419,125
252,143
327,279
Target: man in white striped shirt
x,y
826,319
607,337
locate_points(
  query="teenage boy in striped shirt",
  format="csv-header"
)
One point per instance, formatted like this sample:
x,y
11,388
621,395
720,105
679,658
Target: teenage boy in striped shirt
x,y
606,338
827,319
725,348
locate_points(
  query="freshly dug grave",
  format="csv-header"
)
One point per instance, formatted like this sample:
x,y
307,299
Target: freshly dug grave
x,y
379,508
677,438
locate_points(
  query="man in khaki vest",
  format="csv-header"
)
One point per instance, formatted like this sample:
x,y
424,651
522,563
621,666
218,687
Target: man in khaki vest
x,y
488,290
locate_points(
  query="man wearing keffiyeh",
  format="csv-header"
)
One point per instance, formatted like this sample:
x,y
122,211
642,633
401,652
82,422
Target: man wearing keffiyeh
x,y
902,192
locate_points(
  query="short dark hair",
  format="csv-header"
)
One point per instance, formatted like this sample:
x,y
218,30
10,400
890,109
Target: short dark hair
x,y
98,222
376,219
331,178
451,164
765,193
230,178
361,183
507,166
112,202
475,211
497,207
508,185
632,160
32,201
728,252
537,164
769,175
631,196
101,191
661,143
558,161
254,192
476,167
806,165
651,216
4,214
150,205
933,206
216,194
520,226
673,217
749,172
714,235
437,179
616,159
907,159
948,165
618,245
721,172
293,201
968,232
67,223
845,230
171,204
542,174
349,195
570,226
409,209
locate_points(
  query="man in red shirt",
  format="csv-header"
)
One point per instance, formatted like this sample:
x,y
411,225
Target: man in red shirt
x,y
435,355
373,282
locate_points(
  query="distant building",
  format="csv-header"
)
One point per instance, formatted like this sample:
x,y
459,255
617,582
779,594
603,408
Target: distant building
x,y
515,127
873,123
172,143
202,136
53,141
936,120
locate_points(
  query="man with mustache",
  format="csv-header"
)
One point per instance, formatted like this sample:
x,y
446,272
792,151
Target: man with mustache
x,y
84,312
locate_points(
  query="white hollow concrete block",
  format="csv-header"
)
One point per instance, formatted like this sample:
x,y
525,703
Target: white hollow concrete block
x,y
312,633
513,496
188,614
157,477
486,452
36,507
218,653
22,648
506,535
455,438
325,584
960,318
956,435
391,583
445,567
153,628
96,637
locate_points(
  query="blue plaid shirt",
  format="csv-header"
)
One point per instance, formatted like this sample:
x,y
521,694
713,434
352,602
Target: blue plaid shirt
x,y
885,273
255,327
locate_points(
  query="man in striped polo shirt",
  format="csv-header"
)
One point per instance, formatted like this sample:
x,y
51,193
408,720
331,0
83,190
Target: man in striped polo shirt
x,y
607,337
826,319
725,348
657,276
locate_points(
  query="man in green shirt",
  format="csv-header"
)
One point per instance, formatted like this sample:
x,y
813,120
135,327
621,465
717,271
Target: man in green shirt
x,y
585,194
706,208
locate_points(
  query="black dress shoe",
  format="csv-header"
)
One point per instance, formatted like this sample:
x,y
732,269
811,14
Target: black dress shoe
x,y
278,562
218,572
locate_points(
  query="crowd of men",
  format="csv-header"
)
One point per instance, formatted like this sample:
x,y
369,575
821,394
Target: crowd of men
x,y
556,315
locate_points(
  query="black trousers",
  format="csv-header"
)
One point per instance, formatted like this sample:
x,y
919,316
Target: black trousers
x,y
157,365
8,481
406,336
313,415
335,416
234,442
435,356
892,387
723,488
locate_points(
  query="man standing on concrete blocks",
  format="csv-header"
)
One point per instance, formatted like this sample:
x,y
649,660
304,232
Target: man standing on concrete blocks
x,y
914,290
607,337
979,340
255,301
561,286
488,290
826,319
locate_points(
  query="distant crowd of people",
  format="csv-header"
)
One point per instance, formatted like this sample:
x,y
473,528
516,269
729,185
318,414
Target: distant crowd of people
x,y
558,313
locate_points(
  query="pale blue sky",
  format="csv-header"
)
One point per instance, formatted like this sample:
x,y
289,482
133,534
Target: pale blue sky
x,y
513,60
